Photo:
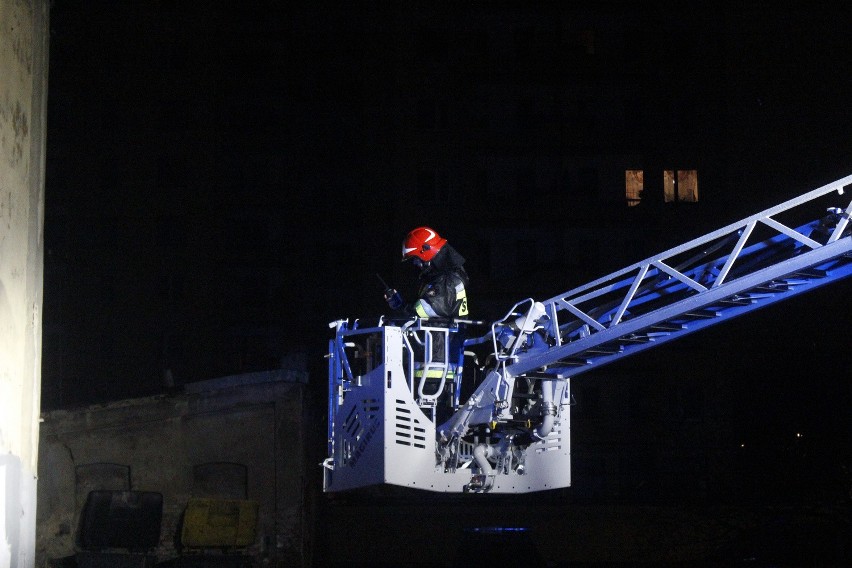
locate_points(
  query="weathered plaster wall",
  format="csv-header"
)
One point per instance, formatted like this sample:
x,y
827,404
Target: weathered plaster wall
x,y
255,420
23,95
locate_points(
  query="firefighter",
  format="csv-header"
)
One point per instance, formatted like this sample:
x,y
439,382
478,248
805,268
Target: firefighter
x,y
442,282
441,294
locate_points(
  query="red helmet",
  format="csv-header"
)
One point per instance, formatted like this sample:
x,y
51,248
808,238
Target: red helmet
x,y
423,243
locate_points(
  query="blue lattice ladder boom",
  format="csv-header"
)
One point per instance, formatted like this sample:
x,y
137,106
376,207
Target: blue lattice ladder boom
x,y
687,288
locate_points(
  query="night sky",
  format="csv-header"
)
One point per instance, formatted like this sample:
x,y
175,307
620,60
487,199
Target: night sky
x,y
224,179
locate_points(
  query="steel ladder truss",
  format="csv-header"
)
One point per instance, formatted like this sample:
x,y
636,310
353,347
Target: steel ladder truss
x,y
735,270
755,262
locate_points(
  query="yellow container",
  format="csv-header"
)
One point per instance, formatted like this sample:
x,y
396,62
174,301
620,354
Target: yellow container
x,y
219,523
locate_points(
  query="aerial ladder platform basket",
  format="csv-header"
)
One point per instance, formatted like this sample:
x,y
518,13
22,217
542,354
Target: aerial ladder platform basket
x,y
398,411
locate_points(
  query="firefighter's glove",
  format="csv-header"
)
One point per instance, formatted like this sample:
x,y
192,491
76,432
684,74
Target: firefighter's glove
x,y
394,299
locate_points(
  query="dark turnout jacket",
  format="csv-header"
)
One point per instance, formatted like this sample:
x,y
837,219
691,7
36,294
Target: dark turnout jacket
x,y
442,288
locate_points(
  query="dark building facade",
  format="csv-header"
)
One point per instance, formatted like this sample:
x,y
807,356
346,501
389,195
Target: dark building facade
x,y
233,441
222,182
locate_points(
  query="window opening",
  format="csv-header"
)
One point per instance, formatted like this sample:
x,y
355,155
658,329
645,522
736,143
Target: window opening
x,y
634,183
680,186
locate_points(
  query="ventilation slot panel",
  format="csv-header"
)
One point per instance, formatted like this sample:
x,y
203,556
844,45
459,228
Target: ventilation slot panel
x,y
407,429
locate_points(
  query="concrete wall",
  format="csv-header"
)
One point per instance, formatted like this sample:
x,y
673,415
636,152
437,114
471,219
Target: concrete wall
x,y
23,93
256,420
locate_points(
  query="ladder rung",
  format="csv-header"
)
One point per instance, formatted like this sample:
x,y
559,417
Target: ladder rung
x,y
667,326
737,301
604,350
757,297
810,273
773,287
573,362
796,281
702,314
634,339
